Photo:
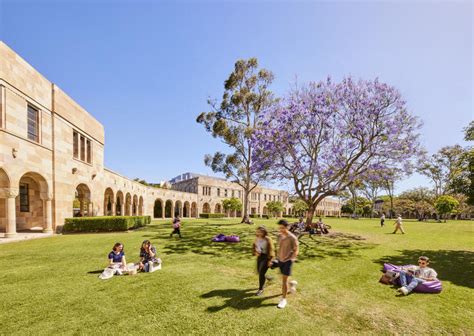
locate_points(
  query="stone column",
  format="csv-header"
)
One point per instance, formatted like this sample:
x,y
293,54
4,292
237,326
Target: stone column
x,y
163,210
181,211
11,214
113,209
49,216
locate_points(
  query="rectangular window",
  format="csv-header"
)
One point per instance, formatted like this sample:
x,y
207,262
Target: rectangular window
x,y
225,192
33,121
218,192
233,193
24,198
89,153
83,148
264,197
75,144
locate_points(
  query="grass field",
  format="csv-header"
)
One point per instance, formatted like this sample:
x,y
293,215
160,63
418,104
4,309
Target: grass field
x,y
51,286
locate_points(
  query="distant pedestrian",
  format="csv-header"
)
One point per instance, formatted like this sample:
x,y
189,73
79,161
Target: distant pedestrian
x,y
176,227
382,220
398,225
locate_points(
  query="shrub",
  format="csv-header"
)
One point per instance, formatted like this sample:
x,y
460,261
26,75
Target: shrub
x,y
211,215
104,224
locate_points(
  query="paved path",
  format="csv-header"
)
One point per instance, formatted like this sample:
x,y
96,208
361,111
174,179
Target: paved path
x,y
23,236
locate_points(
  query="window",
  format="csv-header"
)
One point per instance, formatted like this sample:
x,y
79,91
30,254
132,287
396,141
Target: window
x,y
75,144
24,198
206,191
218,192
232,193
33,121
83,148
89,153
240,194
225,192
264,197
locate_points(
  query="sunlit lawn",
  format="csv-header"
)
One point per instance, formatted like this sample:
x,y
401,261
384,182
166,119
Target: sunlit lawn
x,y
51,286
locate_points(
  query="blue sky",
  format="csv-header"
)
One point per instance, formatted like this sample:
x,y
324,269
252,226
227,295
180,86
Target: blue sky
x,y
146,68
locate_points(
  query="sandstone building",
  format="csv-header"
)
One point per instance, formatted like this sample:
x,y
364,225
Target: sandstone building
x,y
52,164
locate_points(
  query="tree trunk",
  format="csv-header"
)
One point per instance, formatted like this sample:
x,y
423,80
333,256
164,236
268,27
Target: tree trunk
x,y
391,206
245,215
310,215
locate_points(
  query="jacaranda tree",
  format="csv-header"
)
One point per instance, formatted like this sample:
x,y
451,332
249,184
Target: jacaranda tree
x,y
324,136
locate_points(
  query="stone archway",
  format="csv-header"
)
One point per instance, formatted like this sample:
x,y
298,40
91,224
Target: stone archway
x,y
82,206
158,209
140,206
217,208
109,202
206,208
169,209
194,213
119,204
178,209
135,205
33,204
128,204
186,209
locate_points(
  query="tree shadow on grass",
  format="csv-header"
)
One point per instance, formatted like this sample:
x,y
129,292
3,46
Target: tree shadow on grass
x,y
454,266
197,239
241,299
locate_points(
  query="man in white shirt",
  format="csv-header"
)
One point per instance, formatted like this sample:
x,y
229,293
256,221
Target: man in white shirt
x,y
411,278
398,225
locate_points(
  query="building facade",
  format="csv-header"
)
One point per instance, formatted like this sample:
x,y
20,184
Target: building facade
x,y
52,162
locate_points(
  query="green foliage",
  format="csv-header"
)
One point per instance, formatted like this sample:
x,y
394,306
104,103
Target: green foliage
x,y
275,207
211,215
232,204
300,206
104,223
446,204
233,121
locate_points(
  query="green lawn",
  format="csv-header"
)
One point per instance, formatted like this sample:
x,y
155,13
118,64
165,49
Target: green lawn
x,y
50,286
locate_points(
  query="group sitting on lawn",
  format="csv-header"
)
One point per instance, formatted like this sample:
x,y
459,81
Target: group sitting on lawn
x,y
300,227
118,265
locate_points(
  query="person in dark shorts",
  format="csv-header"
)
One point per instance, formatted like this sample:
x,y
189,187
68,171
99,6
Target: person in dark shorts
x,y
176,227
287,253
382,220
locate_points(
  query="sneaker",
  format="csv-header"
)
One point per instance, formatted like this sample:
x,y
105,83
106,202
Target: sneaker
x,y
403,290
282,304
259,292
293,284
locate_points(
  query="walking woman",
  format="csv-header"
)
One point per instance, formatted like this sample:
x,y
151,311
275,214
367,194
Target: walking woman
x,y
264,249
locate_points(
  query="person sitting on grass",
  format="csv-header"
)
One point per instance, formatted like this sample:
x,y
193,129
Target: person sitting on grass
x,y
321,227
176,227
264,249
410,278
148,259
117,258
298,227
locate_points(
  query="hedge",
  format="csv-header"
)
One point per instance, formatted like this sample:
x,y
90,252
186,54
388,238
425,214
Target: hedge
x,y
104,224
211,215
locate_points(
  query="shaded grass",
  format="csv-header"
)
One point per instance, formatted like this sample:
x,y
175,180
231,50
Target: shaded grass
x,y
50,286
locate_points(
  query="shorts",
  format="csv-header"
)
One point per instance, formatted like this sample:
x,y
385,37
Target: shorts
x,y
285,267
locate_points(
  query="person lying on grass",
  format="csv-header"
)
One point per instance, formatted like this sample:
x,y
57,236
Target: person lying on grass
x,y
410,278
148,257
117,258
264,249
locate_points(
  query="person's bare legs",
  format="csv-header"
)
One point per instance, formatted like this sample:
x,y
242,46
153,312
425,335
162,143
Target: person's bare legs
x,y
284,286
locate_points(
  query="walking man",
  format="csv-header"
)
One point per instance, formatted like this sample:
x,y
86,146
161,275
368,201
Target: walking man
x,y
382,220
287,253
398,225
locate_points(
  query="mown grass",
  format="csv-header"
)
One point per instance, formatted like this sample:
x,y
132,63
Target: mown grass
x,y
50,286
